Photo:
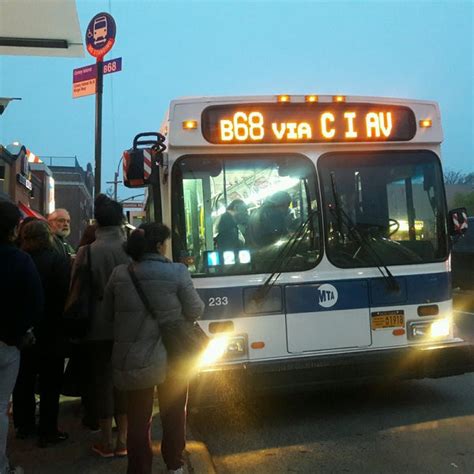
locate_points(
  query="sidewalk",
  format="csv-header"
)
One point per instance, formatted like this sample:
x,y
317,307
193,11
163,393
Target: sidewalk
x,y
75,455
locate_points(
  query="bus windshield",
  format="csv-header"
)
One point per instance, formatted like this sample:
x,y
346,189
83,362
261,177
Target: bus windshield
x,y
239,214
388,202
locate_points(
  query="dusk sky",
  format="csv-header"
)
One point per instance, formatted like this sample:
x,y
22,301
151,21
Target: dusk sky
x,y
170,49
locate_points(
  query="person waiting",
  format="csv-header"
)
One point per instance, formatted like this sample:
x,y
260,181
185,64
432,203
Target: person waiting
x,y
106,252
140,358
46,357
22,296
60,222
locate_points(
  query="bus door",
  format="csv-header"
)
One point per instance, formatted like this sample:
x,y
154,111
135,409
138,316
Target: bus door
x,y
327,315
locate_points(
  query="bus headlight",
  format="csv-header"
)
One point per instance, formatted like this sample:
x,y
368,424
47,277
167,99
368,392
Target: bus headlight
x,y
440,327
429,329
224,346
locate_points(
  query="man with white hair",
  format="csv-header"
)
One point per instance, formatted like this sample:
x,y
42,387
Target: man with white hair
x,y
60,223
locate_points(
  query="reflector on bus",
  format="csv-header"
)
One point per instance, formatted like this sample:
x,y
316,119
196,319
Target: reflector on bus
x,y
138,162
136,167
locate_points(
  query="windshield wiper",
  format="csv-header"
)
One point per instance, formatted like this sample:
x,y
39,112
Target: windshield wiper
x,y
341,216
288,250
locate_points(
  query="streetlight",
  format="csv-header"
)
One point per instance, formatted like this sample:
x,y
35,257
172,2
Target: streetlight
x,y
116,181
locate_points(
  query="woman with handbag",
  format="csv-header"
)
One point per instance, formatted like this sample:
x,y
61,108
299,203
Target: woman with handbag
x,y
141,298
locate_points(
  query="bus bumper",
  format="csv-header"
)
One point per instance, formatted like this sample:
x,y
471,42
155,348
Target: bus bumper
x,y
312,371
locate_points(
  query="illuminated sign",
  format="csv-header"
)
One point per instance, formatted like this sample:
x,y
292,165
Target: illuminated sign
x,y
307,123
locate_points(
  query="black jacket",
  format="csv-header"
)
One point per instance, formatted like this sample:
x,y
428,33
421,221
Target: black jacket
x,y
227,236
53,270
21,295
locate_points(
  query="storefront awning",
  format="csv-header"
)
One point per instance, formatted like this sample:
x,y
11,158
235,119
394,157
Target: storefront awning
x,y
27,212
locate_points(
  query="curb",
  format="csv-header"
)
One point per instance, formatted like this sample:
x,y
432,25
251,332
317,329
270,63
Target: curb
x,y
198,458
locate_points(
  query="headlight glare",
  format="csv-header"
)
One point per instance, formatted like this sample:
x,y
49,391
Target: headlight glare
x,y
440,328
224,347
425,330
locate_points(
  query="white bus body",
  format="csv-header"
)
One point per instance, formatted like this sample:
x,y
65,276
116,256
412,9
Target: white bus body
x,y
328,314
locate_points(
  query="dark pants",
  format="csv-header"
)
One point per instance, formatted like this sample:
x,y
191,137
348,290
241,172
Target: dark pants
x,y
50,368
101,400
172,397
84,359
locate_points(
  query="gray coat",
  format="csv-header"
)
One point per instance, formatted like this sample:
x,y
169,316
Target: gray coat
x,y
139,356
106,253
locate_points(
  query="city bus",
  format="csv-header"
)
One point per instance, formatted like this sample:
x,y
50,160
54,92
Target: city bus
x,y
317,234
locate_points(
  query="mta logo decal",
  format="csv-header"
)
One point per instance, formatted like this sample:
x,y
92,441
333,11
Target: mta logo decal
x,y
327,295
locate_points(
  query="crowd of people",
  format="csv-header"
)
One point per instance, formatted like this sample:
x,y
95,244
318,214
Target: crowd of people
x,y
120,358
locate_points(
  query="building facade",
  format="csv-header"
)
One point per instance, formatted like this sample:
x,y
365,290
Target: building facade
x,y
15,177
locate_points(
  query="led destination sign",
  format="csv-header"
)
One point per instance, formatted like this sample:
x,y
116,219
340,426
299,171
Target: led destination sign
x,y
307,123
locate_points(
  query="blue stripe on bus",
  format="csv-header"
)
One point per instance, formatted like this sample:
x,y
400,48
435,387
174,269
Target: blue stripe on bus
x,y
328,295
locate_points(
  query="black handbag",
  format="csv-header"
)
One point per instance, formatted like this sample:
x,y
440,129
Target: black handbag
x,y
184,340
79,305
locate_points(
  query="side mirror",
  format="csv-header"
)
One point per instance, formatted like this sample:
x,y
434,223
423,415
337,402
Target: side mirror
x,y
457,221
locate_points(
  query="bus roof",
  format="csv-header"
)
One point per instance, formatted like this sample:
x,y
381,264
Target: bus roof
x,y
295,98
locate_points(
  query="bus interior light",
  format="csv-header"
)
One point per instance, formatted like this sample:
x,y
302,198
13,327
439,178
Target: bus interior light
x,y
426,123
213,259
229,257
283,98
339,98
190,125
311,98
244,256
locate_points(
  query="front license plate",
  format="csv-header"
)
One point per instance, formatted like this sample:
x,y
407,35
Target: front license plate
x,y
387,319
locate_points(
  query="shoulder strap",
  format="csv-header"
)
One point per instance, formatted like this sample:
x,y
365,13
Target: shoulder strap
x,y
140,291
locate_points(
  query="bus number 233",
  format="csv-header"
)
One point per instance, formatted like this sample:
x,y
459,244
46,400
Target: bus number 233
x,y
218,301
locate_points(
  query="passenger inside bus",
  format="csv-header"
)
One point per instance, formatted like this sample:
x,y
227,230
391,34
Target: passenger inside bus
x,y
271,221
228,233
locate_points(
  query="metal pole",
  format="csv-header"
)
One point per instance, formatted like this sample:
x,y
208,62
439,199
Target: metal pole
x,y
98,125
115,185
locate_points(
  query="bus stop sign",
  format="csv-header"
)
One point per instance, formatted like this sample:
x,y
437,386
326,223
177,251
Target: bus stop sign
x,y
100,35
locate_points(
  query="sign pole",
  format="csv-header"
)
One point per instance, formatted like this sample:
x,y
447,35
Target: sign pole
x,y
100,37
98,126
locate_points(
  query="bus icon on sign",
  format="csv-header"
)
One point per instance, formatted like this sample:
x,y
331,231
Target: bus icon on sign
x,y
100,30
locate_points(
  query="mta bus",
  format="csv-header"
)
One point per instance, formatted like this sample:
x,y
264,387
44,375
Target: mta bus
x,y
316,231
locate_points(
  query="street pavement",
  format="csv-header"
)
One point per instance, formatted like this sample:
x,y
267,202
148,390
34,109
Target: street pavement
x,y
416,427
75,455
